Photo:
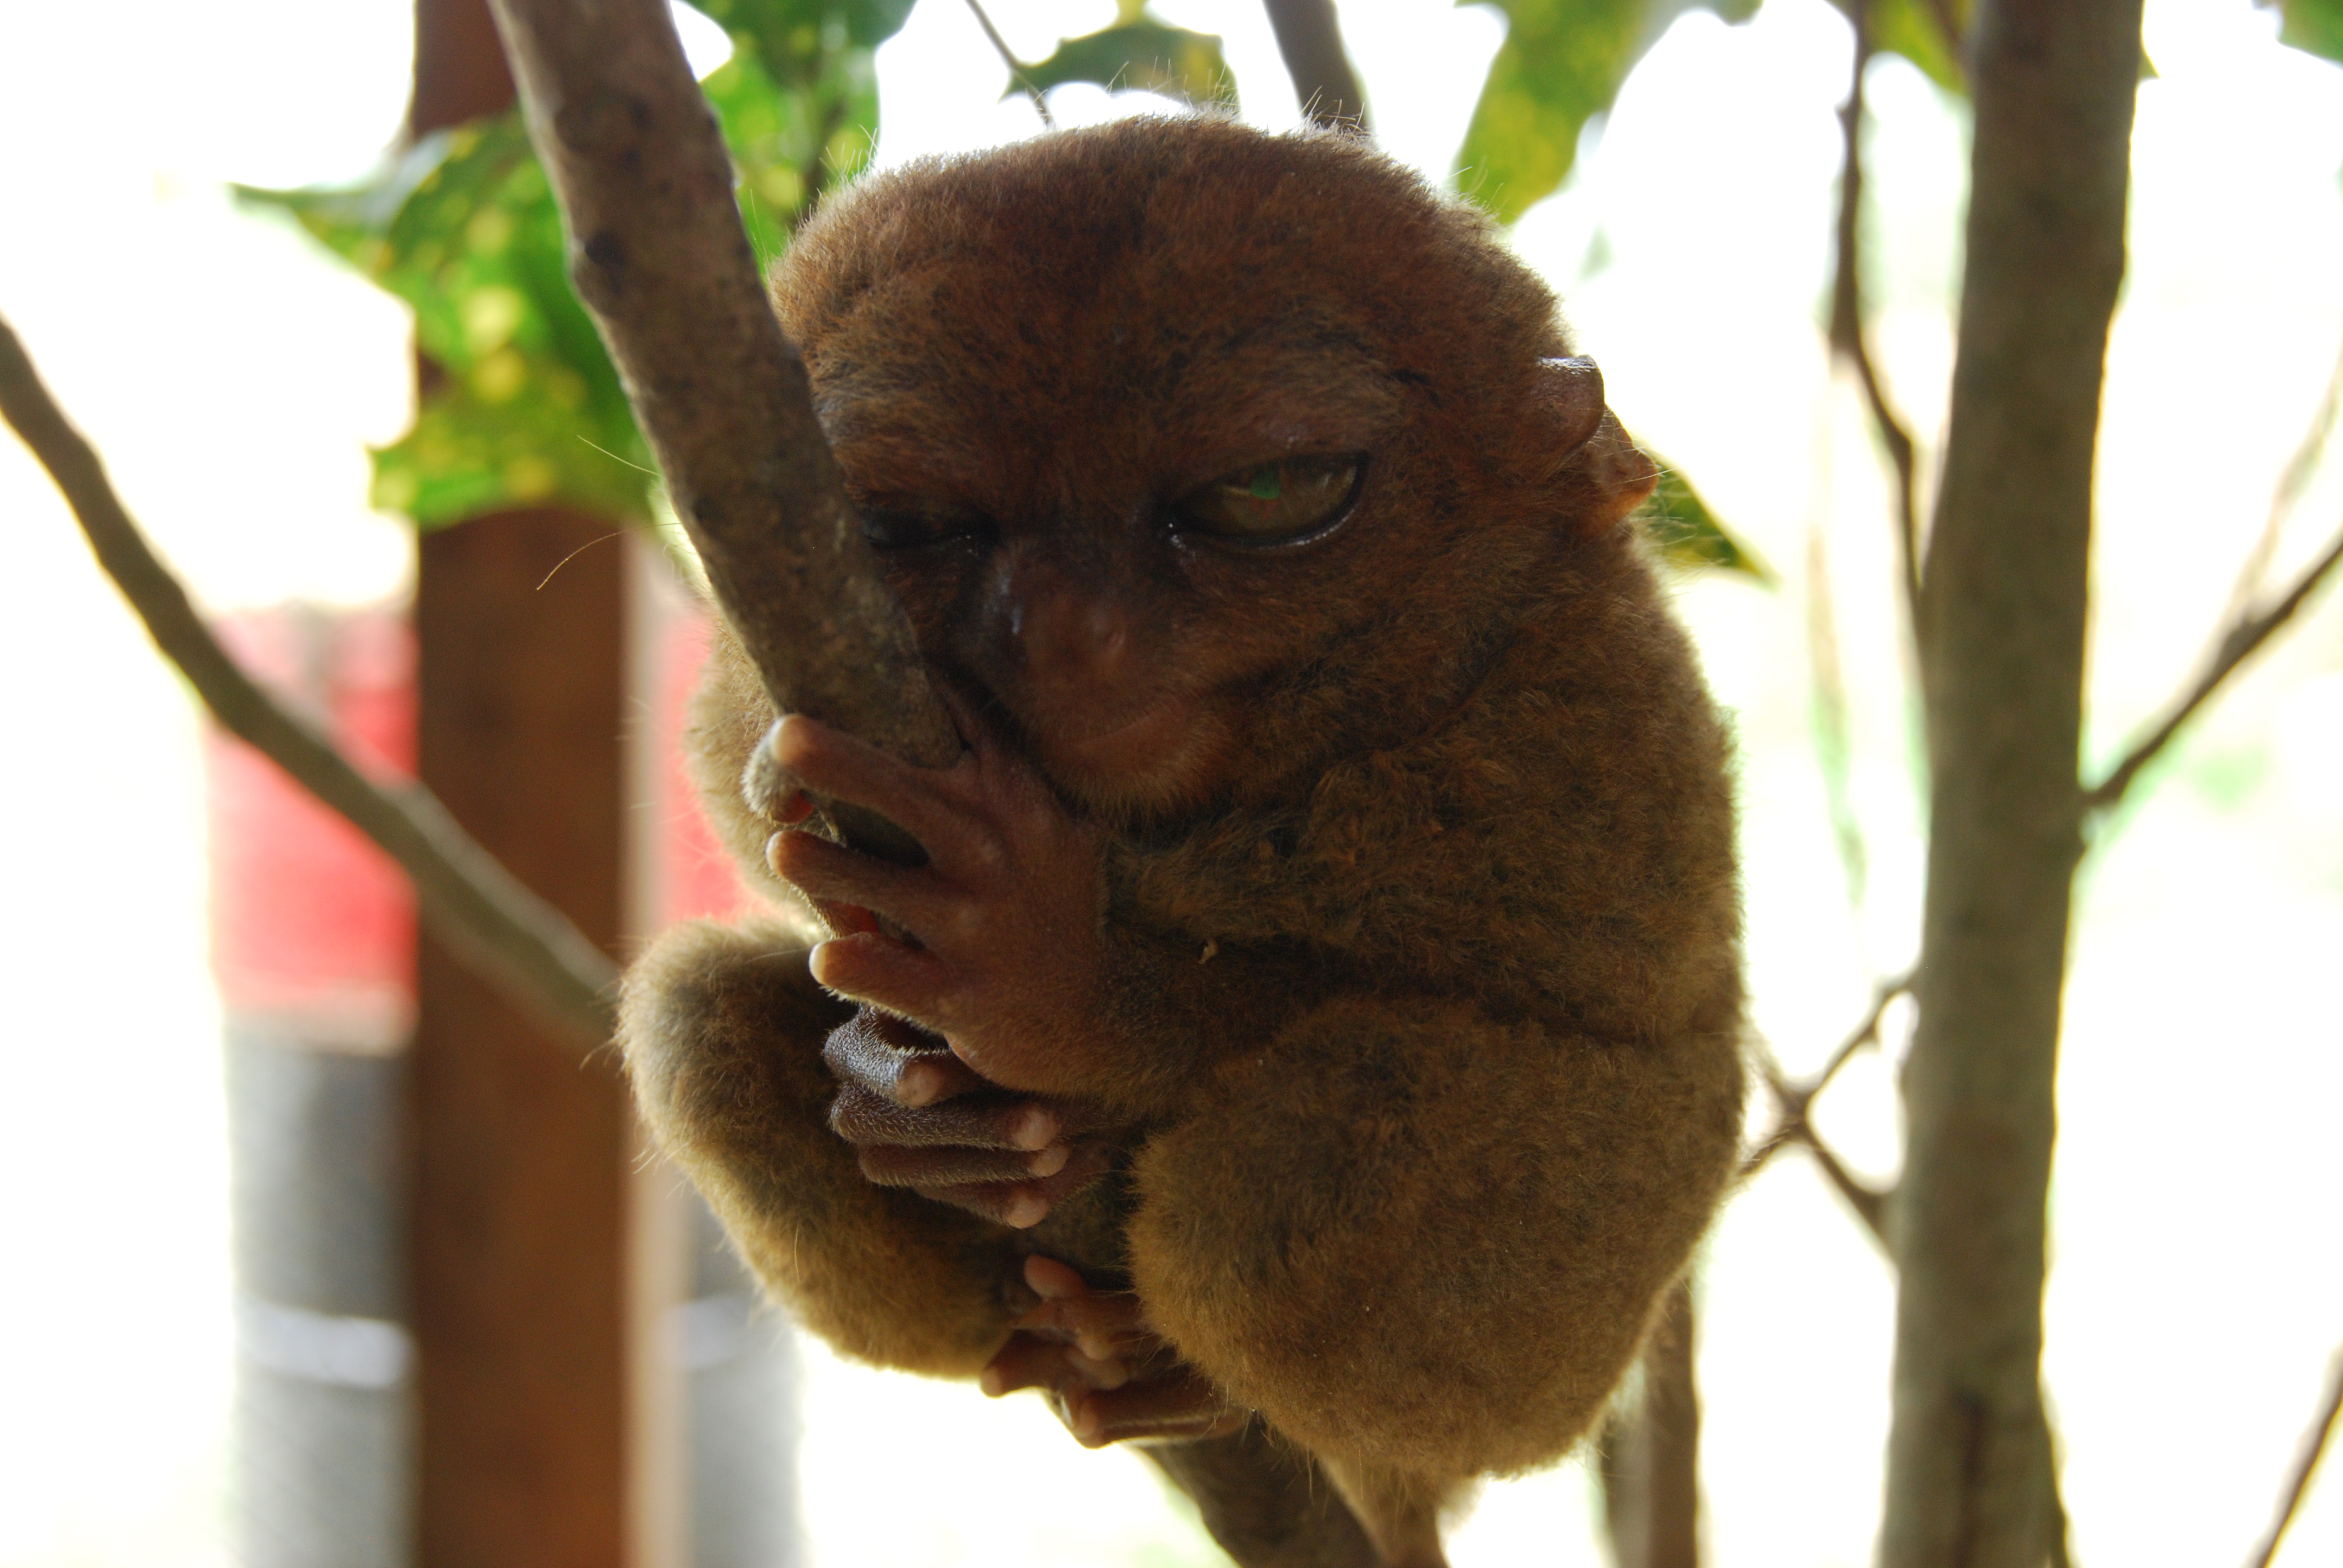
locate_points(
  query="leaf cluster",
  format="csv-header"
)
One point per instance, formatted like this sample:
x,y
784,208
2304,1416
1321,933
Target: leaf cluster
x,y
520,404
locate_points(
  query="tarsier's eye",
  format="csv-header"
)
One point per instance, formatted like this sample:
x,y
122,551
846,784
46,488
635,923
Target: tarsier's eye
x,y
906,525
1272,503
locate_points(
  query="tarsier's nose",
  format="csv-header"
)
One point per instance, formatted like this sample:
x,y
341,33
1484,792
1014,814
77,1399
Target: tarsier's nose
x,y
1058,628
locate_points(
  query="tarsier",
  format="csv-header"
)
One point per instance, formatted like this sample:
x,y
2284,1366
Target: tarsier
x,y
1316,1045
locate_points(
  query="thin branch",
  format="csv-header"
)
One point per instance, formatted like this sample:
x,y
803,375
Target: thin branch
x,y
2238,644
1017,68
2314,1446
1794,1104
658,255
1831,727
508,934
2292,481
1869,1204
1846,331
1310,40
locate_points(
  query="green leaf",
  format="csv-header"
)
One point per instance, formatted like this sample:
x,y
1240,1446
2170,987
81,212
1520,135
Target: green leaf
x,y
2314,26
520,404
1686,535
1138,54
1562,64
1915,29
794,39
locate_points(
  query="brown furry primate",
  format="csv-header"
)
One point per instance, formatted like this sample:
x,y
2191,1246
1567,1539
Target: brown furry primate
x,y
1318,1048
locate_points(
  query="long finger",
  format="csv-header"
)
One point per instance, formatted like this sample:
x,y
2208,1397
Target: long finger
x,y
1022,1205
973,1121
897,1060
953,1166
1103,1323
831,762
1028,1362
874,968
913,896
1184,1406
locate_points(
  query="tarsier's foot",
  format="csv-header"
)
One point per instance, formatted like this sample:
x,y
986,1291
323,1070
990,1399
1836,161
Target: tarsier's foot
x,y
920,1118
1110,1377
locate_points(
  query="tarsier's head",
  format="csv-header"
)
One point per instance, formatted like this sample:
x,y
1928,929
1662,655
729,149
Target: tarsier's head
x,y
1196,453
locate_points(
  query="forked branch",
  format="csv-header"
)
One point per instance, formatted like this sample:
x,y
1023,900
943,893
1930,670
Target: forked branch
x,y
517,941
1794,1105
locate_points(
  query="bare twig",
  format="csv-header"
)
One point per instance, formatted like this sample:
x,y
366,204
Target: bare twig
x,y
658,255
2292,481
1831,727
2313,1446
1309,39
505,933
1017,70
1846,331
2238,644
1794,1102
1869,1204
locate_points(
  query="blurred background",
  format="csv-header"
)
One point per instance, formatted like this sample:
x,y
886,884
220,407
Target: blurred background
x,y
235,374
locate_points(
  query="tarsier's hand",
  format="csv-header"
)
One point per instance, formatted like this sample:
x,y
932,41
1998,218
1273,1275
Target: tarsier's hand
x,y
1111,1378
1002,990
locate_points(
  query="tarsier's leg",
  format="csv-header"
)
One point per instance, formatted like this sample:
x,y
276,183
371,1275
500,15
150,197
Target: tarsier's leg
x,y
1266,1502
722,1030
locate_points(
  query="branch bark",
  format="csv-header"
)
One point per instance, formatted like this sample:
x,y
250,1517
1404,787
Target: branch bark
x,y
1651,1455
1971,1471
658,255
1310,40
518,941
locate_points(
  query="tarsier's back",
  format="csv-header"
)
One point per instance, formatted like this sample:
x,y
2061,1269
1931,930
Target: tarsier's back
x,y
1342,878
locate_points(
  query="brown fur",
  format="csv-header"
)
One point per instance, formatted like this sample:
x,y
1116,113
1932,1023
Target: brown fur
x,y
1424,925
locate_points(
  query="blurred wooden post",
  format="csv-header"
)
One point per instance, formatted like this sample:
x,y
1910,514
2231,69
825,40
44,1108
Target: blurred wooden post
x,y
546,1438
1651,1455
520,1192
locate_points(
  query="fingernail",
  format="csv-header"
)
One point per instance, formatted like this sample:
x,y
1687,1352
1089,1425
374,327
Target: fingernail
x,y
918,1085
1035,1128
817,964
991,1382
1049,1161
793,738
773,852
1025,1212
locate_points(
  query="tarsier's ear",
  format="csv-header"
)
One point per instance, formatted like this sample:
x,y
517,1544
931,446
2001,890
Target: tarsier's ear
x,y
1587,437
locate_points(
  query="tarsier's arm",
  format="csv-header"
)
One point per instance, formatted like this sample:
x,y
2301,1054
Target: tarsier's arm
x,y
1375,1228
723,1033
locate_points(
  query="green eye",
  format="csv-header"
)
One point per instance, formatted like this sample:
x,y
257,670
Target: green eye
x,y
1271,502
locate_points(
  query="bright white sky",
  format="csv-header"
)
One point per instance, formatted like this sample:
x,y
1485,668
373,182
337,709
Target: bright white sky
x,y
234,379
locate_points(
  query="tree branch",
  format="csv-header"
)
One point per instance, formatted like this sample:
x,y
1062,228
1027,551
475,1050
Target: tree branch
x,y
1017,72
1796,1100
514,939
2238,644
658,255
2314,1446
1846,332
1310,38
